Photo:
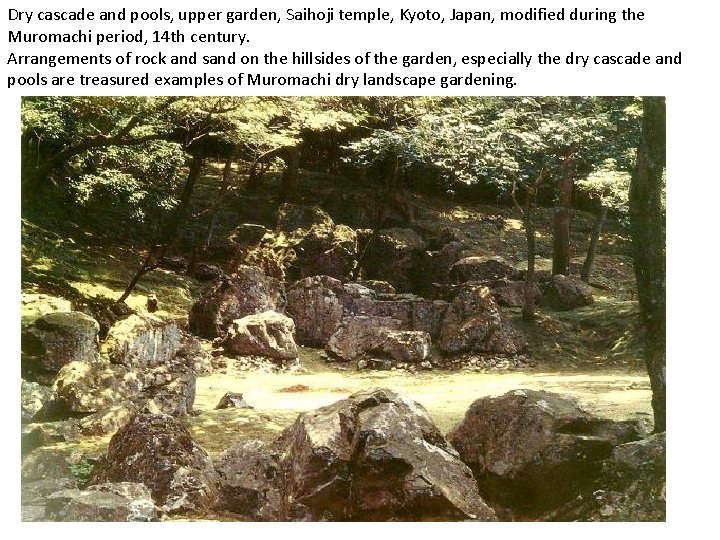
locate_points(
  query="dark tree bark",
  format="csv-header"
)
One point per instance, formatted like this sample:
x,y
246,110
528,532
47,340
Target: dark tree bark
x,y
561,231
528,212
647,227
592,246
290,180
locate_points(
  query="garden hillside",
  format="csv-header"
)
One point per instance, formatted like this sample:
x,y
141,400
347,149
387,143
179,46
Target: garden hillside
x,y
342,308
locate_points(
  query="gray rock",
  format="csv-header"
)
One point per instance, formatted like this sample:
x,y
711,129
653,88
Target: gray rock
x,y
512,294
232,400
143,341
375,456
533,450
356,336
34,398
84,387
632,487
474,323
104,502
482,269
56,339
268,334
247,292
250,481
564,293
315,304
407,346
157,450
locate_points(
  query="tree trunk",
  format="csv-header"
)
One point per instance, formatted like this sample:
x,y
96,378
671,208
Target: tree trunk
x,y
290,181
561,232
647,227
528,311
592,246
172,229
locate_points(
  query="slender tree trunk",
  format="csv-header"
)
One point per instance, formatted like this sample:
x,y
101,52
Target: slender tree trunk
x,y
561,232
647,227
172,229
528,311
592,246
290,181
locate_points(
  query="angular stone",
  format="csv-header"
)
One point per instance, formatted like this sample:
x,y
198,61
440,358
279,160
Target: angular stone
x,y
358,335
564,293
83,387
34,398
268,334
232,400
407,346
292,217
512,294
390,255
157,450
315,305
104,502
247,292
250,481
482,269
375,456
56,339
143,341
532,450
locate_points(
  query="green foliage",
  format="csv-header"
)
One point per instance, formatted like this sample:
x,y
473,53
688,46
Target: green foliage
x,y
82,471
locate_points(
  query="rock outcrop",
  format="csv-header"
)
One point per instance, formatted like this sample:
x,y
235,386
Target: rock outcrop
x,y
632,487
356,336
482,269
84,387
316,305
250,482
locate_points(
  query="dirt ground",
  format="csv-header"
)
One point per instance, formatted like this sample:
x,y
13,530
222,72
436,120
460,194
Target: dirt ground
x,y
278,398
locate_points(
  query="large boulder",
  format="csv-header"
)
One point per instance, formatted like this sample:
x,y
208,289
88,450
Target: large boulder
x,y
512,293
103,502
171,389
142,341
250,481
563,293
157,450
534,450
632,487
247,292
482,269
57,339
474,323
84,387
375,456
315,304
391,255
268,334
358,335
